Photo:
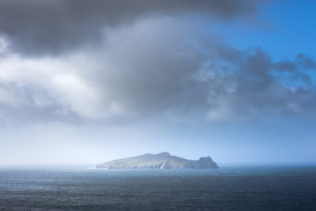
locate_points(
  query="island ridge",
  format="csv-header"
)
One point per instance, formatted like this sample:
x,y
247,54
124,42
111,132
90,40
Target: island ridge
x,y
159,161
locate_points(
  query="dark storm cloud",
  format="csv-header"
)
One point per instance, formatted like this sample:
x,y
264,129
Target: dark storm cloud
x,y
172,70
153,66
52,26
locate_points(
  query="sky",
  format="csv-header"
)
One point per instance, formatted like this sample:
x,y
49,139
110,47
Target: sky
x,y
83,82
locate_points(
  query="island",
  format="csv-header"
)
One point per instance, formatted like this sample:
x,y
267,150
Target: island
x,y
159,161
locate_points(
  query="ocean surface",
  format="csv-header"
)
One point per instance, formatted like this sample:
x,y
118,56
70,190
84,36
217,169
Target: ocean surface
x,y
229,188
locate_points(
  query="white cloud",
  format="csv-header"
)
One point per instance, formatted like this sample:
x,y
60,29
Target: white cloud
x,y
46,82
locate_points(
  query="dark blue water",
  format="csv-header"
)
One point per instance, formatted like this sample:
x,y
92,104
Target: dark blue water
x,y
230,188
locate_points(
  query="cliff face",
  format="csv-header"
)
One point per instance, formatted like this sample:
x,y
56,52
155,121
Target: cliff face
x,y
159,161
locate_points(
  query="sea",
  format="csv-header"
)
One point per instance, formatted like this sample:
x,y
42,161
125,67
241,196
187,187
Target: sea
x,y
227,188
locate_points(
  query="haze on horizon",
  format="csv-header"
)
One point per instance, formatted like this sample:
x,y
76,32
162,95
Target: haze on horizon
x,y
83,82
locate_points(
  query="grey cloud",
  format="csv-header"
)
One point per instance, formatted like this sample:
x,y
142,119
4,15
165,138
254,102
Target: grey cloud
x,y
35,27
302,62
288,66
174,76
251,86
135,74
157,72
306,62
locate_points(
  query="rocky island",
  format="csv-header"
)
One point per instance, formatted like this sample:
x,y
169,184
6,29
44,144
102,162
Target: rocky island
x,y
159,161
